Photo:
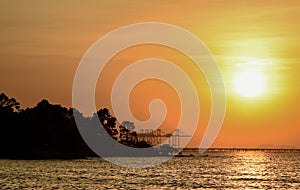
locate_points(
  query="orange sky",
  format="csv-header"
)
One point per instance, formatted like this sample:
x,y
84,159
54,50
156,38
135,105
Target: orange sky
x,y
41,44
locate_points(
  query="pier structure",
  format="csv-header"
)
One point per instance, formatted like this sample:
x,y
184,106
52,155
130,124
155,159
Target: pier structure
x,y
156,137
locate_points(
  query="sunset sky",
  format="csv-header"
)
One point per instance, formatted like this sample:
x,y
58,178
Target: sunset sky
x,y
42,42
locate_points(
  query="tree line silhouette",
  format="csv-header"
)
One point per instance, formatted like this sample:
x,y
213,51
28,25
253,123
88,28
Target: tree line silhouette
x,y
49,131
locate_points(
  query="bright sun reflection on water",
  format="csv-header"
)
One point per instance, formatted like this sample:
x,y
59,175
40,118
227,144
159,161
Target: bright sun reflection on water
x,y
252,165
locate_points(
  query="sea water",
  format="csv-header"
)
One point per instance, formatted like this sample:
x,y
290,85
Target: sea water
x,y
231,169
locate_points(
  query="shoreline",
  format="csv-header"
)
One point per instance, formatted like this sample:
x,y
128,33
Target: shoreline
x,y
187,152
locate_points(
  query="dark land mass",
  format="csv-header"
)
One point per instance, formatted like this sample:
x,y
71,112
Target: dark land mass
x,y
49,131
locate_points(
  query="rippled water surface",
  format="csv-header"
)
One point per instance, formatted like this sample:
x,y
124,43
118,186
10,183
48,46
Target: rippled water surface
x,y
213,169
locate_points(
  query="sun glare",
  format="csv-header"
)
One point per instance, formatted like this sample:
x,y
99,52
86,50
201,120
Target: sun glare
x,y
249,84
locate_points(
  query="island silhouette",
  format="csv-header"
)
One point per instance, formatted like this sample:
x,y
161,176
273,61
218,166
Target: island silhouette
x,y
49,131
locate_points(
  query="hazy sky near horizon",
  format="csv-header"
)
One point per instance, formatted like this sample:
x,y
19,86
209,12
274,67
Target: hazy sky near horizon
x,y
42,42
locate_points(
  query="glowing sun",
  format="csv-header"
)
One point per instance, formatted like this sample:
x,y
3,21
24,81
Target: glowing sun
x,y
250,84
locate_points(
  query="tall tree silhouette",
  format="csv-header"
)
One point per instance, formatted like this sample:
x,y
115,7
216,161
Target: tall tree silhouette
x,y
127,134
108,122
8,104
9,108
